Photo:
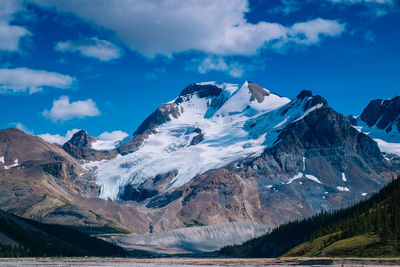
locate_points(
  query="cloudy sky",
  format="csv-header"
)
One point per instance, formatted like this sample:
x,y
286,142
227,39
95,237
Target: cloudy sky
x,y
105,65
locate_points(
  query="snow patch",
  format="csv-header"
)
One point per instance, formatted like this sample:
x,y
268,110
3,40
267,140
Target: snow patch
x,y
364,194
358,128
309,111
13,165
390,148
2,159
297,176
343,189
109,140
344,179
313,178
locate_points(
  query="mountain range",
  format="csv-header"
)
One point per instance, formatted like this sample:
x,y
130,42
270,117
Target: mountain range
x,y
218,154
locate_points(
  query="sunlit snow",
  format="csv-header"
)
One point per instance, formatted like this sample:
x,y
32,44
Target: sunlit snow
x,y
13,165
344,179
228,136
342,188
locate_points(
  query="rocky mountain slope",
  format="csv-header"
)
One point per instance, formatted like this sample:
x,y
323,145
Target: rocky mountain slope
x,y
41,181
368,229
218,153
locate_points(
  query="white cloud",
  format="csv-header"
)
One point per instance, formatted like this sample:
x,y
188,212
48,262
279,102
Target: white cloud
x,y
10,35
21,127
214,63
173,26
20,80
63,109
112,136
58,139
91,47
310,32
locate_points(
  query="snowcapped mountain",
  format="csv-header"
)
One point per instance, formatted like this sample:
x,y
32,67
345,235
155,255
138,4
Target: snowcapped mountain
x,y
381,121
217,153
207,127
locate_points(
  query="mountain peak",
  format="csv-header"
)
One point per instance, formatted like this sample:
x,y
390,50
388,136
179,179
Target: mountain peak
x,y
80,147
305,93
203,89
383,114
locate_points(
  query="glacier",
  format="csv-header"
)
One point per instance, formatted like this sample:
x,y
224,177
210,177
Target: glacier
x,y
241,127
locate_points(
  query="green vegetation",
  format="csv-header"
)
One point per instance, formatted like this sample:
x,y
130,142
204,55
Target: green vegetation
x,y
38,240
370,228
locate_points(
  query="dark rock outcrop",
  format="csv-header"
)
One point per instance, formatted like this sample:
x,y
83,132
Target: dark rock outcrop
x,y
202,90
384,114
129,192
197,139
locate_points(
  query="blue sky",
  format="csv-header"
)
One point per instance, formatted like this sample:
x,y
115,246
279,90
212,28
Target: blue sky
x,y
106,65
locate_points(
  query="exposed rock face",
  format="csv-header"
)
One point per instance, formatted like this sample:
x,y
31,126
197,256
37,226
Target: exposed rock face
x,y
318,163
138,195
79,146
384,114
202,90
257,92
149,125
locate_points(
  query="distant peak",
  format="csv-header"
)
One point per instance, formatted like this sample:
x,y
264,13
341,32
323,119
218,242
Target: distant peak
x,y
311,100
305,93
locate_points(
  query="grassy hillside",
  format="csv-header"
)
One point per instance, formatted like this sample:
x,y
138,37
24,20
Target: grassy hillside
x,y
23,237
370,228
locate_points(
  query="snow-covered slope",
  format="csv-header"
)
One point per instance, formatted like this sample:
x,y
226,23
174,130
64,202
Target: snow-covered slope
x,y
216,125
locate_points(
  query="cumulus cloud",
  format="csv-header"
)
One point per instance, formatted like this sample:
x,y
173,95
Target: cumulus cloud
x,y
91,47
63,109
58,139
112,136
172,26
10,35
214,63
310,32
20,80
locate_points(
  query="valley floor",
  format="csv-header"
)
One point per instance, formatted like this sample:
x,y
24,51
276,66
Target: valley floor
x,y
191,262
